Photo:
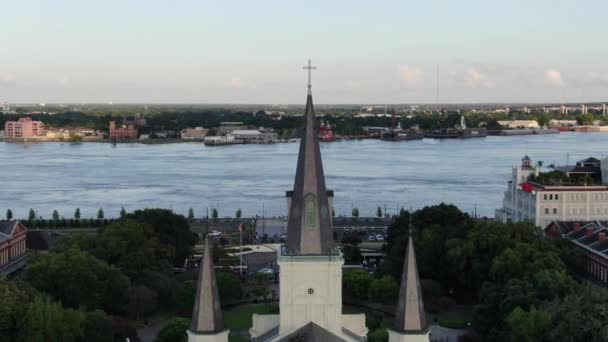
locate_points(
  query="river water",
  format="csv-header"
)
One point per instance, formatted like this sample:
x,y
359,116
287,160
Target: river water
x,y
363,173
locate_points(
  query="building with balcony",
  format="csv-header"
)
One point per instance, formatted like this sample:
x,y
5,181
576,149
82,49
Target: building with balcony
x,y
591,239
24,128
571,193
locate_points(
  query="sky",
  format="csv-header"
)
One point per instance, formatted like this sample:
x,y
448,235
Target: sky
x,y
231,51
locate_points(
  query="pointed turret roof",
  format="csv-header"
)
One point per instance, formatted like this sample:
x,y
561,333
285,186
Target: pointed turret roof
x,y
207,313
309,229
410,316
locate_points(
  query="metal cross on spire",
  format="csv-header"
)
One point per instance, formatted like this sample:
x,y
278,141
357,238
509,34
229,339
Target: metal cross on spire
x,y
309,67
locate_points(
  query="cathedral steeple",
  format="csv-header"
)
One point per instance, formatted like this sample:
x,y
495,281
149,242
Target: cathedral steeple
x,y
410,316
207,314
309,229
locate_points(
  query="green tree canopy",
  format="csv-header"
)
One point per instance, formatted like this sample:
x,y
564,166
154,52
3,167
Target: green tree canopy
x,y
131,246
98,327
48,321
9,214
356,284
100,214
78,279
384,290
174,331
171,229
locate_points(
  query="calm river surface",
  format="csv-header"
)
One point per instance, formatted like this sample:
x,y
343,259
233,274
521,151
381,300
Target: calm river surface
x,y
364,174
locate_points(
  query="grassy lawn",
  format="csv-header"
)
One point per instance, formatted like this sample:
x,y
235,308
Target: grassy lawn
x,y
455,319
239,318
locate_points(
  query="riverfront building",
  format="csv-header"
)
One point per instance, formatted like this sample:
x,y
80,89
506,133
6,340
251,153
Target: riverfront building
x,y
579,193
12,242
124,132
310,265
24,128
591,239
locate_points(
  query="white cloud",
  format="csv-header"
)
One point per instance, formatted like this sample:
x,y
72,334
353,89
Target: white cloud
x,y
352,85
410,74
598,76
554,77
64,81
7,79
475,78
237,83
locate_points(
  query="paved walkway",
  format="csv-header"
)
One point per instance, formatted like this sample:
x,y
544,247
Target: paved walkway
x,y
150,332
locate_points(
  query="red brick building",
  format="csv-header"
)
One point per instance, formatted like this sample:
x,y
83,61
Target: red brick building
x,y
12,241
124,132
24,128
591,238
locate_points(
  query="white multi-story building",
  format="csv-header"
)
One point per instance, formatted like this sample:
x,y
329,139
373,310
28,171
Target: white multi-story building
x,y
541,204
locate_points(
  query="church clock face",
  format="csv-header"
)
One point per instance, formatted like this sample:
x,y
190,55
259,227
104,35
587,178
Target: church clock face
x,y
311,291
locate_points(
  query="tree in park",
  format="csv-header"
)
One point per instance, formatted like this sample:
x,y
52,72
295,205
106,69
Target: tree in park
x,y
98,327
171,229
184,297
384,290
77,214
174,331
379,212
214,214
100,214
133,247
229,287
580,316
528,326
12,310
355,212
123,212
55,215
238,213
142,301
356,284
46,320
190,214
78,279
9,214
32,215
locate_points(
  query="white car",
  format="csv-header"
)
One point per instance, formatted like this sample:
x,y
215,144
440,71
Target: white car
x,y
265,271
371,238
214,233
379,237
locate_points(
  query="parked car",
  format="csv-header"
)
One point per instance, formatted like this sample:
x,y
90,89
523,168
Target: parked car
x,y
379,237
371,238
214,233
268,271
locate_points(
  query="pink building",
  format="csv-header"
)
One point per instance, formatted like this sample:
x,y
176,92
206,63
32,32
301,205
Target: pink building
x,y
122,133
12,241
24,128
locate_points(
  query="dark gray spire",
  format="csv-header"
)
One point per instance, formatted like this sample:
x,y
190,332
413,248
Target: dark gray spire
x,y
410,315
309,229
207,313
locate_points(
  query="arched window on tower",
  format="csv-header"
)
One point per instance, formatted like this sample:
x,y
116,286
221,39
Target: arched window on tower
x,y
311,212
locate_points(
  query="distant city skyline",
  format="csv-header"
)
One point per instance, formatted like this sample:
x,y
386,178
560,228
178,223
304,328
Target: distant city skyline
x,y
246,52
